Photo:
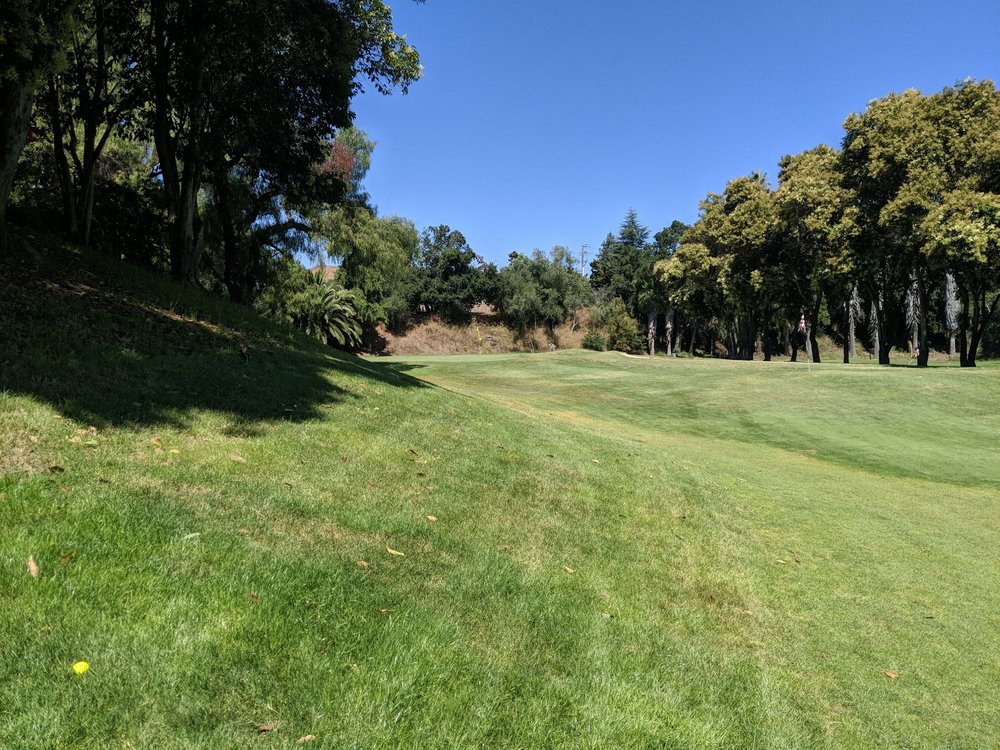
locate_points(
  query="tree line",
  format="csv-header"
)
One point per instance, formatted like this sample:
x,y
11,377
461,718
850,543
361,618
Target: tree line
x,y
893,239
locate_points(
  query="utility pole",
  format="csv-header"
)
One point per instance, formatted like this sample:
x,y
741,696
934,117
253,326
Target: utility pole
x,y
583,260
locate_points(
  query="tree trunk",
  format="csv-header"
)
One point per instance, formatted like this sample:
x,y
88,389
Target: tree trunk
x,y
848,330
15,117
66,185
963,329
813,343
670,332
651,331
923,355
232,274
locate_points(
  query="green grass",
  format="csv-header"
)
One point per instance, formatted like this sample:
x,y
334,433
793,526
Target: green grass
x,y
627,553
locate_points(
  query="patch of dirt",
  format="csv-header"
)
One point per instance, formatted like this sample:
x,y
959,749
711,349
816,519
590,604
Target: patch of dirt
x,y
484,334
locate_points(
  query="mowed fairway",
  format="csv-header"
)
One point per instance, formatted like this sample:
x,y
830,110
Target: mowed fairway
x,y
560,551
835,528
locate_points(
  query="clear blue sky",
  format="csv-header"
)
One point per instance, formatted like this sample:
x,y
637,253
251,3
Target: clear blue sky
x,y
541,122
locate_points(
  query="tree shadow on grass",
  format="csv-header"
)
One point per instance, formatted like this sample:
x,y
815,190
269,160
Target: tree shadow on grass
x,y
106,344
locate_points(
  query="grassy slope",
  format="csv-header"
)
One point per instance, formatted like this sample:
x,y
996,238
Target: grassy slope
x,y
199,546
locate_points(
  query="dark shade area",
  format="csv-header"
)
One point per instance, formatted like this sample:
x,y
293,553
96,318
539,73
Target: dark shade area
x,y
106,343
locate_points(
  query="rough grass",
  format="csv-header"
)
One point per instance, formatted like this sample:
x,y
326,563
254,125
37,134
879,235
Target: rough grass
x,y
624,553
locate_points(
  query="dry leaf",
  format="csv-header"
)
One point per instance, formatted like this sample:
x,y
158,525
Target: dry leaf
x,y
32,566
265,728
891,675
568,569
157,442
47,629
56,469
174,451
305,739
67,556
421,474
410,450
780,562
287,484
252,596
432,519
395,552
237,459
362,564
243,530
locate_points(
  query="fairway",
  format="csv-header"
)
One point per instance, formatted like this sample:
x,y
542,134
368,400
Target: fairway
x,y
847,519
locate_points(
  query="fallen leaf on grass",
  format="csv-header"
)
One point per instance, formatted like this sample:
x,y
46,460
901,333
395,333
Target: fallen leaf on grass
x,y
67,556
394,552
432,519
243,530
594,461
32,566
157,442
307,738
237,459
287,484
410,450
362,564
386,611
780,562
56,469
265,728
174,451
252,596
891,675
568,569
47,629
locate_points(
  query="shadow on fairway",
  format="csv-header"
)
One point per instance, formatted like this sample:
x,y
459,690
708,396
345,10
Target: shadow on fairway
x,y
107,344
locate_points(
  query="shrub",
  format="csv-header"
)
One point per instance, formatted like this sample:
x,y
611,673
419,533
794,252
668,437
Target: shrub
x,y
593,340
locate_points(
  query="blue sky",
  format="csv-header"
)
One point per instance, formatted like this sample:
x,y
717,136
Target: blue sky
x,y
541,122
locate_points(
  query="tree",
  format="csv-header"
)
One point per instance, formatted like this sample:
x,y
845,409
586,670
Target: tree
x,y
739,229
818,222
451,277
691,278
32,38
260,86
617,269
962,236
90,100
534,290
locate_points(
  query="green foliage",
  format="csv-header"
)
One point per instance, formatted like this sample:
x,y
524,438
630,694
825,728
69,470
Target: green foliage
x,y
376,254
536,290
451,279
594,341
621,332
321,309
